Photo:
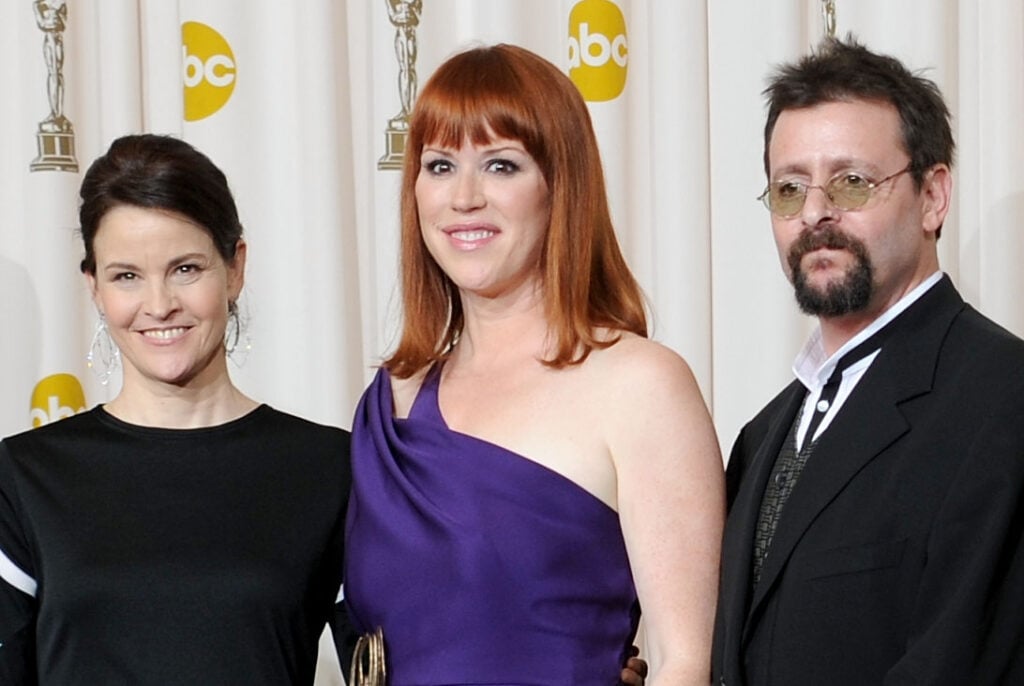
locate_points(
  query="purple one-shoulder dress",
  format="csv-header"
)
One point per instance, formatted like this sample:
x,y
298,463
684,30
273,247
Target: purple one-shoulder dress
x,y
481,566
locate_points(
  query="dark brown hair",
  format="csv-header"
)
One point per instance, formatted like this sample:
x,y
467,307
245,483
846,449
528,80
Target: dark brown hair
x,y
162,173
841,70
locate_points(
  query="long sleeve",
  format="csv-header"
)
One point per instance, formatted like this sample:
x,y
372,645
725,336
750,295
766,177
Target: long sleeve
x,y
968,621
17,586
345,636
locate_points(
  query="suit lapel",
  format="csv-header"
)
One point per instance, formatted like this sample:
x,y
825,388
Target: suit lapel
x,y
738,543
842,451
904,369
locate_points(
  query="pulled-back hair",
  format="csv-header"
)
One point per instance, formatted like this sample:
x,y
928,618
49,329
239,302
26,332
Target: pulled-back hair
x,y
508,92
843,70
160,173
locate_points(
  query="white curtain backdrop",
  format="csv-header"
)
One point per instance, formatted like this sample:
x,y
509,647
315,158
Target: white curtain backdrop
x,y
297,96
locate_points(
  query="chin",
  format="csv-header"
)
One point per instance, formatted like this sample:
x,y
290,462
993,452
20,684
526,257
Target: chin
x,y
171,374
176,379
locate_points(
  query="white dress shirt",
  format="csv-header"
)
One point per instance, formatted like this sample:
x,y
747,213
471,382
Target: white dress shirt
x,y
812,367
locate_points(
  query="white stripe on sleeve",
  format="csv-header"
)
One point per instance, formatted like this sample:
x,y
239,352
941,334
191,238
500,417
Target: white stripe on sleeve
x,y
12,574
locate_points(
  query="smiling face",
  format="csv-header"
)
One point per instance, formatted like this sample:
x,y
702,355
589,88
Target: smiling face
x,y
484,212
854,263
164,290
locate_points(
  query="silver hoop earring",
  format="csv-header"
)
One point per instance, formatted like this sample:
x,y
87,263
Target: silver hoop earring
x,y
237,344
104,357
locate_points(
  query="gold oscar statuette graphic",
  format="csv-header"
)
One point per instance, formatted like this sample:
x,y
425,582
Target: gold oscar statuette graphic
x,y
56,136
405,17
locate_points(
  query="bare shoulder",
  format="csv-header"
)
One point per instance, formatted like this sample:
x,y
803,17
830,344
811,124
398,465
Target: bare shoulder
x,y
650,401
637,365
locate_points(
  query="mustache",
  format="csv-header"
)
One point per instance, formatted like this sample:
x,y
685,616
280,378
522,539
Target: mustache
x,y
828,237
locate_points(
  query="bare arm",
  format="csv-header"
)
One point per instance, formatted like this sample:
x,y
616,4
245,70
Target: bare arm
x,y
670,491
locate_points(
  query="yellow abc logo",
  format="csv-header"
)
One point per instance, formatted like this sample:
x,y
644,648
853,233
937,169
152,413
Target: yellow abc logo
x,y
56,397
598,50
209,70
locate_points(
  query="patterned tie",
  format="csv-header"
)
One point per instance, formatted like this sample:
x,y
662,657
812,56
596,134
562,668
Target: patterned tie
x,y
787,468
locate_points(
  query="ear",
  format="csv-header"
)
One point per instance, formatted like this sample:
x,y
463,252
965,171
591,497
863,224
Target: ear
x,y
90,279
236,271
936,191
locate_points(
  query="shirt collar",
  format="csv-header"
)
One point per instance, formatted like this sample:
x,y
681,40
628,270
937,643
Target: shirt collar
x,y
813,367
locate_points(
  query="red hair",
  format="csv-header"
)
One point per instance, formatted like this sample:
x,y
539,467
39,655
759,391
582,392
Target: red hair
x,y
508,92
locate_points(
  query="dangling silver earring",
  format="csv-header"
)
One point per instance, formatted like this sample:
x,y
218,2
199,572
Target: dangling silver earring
x,y
104,357
237,343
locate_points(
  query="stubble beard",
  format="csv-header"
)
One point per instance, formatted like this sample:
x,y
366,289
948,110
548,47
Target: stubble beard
x,y
847,295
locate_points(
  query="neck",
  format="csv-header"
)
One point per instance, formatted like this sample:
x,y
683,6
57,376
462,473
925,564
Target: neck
x,y
836,331
502,329
189,406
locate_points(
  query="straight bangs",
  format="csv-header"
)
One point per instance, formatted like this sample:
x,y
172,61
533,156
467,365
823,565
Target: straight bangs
x,y
480,99
507,92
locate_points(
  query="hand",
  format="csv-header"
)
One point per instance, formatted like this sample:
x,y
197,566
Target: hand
x,y
635,671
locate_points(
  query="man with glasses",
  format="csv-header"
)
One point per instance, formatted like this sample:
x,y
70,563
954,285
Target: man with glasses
x,y
877,503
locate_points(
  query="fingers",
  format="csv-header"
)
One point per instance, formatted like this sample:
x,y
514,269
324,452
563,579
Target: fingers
x,y
638,666
634,673
631,678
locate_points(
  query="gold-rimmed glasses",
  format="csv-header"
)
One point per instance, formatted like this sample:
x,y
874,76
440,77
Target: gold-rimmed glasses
x,y
846,191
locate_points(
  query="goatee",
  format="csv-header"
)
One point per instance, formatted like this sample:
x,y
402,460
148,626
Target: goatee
x,y
851,293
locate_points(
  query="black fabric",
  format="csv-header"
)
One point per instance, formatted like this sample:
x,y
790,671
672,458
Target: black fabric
x,y
791,461
206,556
831,387
900,556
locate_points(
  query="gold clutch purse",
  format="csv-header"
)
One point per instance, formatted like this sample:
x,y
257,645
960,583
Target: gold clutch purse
x,y
367,667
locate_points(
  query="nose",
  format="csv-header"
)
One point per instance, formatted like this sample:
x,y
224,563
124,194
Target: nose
x,y
468,192
161,301
817,209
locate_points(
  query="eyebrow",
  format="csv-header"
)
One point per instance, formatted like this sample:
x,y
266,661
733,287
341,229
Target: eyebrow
x,y
181,259
485,150
836,166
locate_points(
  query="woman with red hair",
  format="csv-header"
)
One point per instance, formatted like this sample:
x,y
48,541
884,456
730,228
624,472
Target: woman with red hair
x,y
530,469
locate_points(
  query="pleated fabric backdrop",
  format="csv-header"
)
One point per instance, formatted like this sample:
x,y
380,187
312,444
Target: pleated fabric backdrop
x,y
300,104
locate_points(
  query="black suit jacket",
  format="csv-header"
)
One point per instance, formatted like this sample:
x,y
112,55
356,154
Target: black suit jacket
x,y
898,558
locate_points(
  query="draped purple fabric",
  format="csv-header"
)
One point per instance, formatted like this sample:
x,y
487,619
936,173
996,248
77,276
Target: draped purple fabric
x,y
481,566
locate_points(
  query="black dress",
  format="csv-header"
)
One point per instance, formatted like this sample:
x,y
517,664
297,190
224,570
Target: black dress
x,y
136,555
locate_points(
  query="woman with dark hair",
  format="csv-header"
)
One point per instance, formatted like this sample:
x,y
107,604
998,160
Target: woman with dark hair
x,y
527,464
182,532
